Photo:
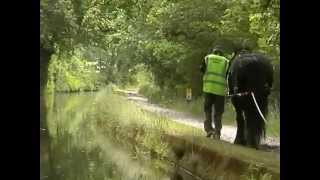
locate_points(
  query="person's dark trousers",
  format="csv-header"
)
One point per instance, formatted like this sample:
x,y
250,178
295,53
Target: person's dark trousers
x,y
216,101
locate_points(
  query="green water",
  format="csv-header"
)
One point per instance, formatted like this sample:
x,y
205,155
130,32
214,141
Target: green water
x,y
74,150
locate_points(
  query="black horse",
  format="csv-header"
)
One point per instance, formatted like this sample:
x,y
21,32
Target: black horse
x,y
250,72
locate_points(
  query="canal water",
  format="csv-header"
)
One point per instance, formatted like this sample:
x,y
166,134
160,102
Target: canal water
x,y
72,149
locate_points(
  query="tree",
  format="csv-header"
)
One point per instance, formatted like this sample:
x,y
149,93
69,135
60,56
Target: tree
x,y
169,37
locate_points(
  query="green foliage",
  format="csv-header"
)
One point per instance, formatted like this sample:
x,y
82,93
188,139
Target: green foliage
x,y
72,73
153,93
184,32
169,37
143,76
58,24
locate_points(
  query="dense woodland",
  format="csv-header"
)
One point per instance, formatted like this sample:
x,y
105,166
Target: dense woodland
x,y
86,44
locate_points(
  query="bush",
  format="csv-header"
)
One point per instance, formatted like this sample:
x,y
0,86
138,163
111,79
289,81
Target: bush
x,y
71,74
151,92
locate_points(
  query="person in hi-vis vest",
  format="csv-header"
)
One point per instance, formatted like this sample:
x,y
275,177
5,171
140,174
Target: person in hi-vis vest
x,y
214,69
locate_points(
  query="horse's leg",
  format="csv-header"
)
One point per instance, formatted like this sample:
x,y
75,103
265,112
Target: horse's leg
x,y
240,137
253,134
255,123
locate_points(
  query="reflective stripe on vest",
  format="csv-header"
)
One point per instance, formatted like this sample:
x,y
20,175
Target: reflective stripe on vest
x,y
214,80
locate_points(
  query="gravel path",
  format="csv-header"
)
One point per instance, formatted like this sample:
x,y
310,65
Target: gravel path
x,y
228,133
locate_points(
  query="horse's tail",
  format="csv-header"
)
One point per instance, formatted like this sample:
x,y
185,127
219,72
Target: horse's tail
x,y
262,85
257,74
256,125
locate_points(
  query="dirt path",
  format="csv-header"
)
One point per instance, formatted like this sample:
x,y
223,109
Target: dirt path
x,y
228,133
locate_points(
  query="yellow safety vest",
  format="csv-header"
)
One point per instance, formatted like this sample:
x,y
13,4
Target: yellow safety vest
x,y
214,79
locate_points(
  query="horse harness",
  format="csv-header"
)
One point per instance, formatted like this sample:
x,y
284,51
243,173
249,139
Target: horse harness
x,y
254,99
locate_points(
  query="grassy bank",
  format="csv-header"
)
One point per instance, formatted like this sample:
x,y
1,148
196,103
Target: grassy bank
x,y
119,128
148,135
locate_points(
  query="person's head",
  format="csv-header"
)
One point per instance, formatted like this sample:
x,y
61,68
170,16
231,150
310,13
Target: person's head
x,y
244,51
243,48
246,46
217,50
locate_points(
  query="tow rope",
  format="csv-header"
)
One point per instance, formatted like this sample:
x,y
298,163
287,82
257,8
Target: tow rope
x,y
255,102
254,99
238,94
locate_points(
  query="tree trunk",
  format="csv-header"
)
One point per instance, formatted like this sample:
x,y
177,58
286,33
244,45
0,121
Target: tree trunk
x,y
45,56
45,143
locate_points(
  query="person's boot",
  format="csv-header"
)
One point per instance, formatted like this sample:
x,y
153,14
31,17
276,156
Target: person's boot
x,y
211,133
214,134
218,126
208,125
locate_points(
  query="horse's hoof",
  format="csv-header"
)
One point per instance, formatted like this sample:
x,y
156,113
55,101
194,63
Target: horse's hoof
x,y
209,134
213,134
216,136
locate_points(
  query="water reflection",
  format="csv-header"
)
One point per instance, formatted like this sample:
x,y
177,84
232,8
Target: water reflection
x,y
74,150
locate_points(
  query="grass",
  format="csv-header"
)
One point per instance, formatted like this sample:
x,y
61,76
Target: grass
x,y
121,129
153,124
